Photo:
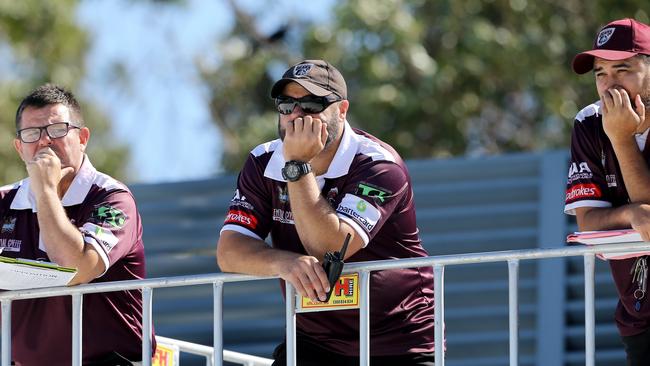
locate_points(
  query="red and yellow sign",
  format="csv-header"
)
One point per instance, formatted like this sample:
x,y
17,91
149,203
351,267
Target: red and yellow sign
x,y
344,296
166,355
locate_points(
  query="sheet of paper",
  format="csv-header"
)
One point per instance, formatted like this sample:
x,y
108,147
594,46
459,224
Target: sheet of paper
x,y
610,237
20,274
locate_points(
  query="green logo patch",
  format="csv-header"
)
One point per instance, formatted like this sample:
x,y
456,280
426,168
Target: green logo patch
x,y
379,195
109,215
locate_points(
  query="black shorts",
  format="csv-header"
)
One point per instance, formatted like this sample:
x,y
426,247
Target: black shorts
x,y
310,354
637,348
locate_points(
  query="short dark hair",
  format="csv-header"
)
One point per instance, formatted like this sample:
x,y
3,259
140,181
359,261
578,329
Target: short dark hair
x,y
49,94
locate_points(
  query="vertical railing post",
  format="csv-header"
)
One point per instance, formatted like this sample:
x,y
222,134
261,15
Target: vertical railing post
x,y
590,317
77,329
551,273
291,324
217,328
513,310
5,350
439,316
364,319
147,297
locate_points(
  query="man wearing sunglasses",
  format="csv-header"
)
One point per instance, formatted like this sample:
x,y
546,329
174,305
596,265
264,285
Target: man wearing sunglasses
x,y
69,213
319,182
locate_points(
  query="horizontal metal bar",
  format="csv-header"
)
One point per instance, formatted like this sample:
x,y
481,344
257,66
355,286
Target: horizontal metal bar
x,y
205,279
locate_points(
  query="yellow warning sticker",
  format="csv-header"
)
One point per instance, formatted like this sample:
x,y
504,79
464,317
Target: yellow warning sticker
x,y
166,355
344,296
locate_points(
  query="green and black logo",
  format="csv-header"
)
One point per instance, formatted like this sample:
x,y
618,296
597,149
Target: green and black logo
x,y
110,215
379,195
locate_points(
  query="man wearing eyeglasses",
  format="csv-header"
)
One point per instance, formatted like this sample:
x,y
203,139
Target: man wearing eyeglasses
x,y
320,181
69,213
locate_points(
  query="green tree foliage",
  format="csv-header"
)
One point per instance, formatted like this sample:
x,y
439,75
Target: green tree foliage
x,y
41,42
433,78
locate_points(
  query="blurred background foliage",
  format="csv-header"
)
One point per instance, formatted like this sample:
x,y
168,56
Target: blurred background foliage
x,y
41,42
433,78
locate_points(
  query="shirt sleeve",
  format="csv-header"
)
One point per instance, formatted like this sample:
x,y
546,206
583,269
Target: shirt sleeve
x,y
112,226
371,195
586,182
250,209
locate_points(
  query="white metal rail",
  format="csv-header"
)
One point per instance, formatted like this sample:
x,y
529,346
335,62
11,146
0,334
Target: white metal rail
x,y
363,268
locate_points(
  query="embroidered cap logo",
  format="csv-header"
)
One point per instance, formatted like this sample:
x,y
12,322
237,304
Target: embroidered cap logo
x,y
302,69
604,36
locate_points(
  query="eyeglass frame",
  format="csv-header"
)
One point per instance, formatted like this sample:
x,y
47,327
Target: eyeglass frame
x,y
68,126
326,101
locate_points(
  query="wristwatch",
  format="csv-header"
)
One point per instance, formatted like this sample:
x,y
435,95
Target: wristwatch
x,y
294,169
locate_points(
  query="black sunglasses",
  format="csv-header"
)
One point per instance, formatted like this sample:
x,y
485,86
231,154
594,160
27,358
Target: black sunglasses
x,y
309,103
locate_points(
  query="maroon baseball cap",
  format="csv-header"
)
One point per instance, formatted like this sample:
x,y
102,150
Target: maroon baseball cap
x,y
617,40
317,76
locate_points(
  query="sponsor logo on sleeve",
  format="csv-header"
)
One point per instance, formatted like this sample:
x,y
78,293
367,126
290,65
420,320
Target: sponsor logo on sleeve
x,y
582,191
578,171
241,218
240,200
377,194
109,216
103,236
360,210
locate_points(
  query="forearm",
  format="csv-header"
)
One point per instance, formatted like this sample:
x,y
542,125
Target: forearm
x,y
590,219
239,253
317,224
63,242
634,170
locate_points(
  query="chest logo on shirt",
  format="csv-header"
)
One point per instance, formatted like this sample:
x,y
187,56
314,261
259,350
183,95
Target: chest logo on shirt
x,y
377,194
283,194
285,217
611,180
8,225
331,195
106,214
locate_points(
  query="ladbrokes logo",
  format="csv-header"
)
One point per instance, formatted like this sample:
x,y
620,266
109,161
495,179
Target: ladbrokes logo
x,y
583,191
242,218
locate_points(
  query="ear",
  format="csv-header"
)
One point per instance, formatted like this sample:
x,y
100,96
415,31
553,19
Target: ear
x,y
18,146
84,136
343,108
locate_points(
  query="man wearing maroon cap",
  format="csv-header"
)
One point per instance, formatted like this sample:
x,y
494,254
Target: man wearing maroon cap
x,y
69,213
319,182
608,184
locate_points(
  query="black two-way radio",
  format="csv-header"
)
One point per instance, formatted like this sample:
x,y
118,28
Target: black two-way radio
x,y
333,265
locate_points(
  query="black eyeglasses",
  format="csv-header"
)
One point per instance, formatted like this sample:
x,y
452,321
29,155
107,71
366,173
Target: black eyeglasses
x,y
54,131
309,104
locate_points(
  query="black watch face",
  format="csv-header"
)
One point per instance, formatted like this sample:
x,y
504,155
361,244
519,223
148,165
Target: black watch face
x,y
292,171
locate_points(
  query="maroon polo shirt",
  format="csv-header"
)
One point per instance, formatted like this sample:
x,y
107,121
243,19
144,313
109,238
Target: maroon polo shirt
x,y
595,180
369,187
105,212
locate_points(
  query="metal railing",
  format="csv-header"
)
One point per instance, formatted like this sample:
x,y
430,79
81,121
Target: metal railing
x,y
363,268
208,352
